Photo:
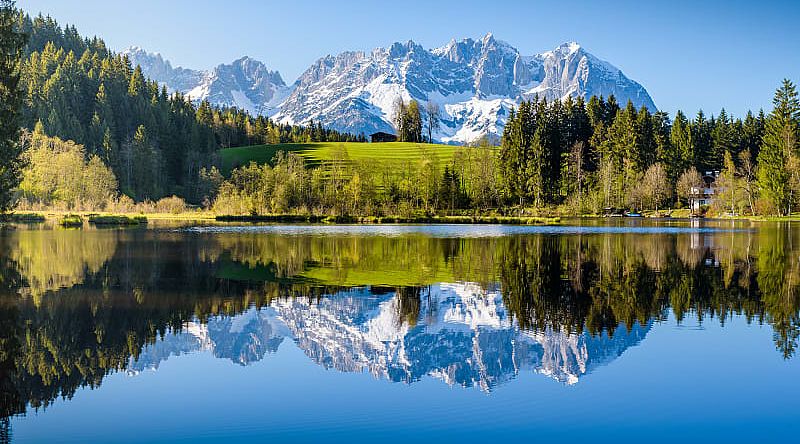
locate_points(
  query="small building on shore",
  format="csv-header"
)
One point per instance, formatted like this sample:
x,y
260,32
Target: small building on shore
x,y
380,136
704,195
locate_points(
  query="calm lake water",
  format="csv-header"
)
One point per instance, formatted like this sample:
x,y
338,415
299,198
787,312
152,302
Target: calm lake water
x,y
610,331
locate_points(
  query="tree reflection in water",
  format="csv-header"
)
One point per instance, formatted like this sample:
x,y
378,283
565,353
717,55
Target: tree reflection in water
x,y
78,305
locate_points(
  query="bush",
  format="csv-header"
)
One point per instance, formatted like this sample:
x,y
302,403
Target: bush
x,y
121,204
172,204
765,207
71,220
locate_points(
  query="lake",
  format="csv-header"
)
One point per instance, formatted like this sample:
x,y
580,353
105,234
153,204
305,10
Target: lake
x,y
665,331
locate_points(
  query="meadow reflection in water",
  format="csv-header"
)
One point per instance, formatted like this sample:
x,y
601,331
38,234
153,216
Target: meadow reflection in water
x,y
76,305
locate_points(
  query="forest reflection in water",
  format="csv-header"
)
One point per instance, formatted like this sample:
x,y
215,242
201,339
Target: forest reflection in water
x,y
77,305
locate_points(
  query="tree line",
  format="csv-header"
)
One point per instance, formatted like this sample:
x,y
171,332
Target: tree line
x,y
596,154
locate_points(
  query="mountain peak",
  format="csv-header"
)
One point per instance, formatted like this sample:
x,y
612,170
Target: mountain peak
x,y
246,59
568,47
401,50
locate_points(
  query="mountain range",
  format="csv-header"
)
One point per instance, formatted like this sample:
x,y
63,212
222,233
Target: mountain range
x,y
475,82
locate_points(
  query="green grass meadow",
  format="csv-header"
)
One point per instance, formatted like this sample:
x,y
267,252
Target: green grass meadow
x,y
395,154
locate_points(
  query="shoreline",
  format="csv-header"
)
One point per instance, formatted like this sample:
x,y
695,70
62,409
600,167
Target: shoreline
x,y
203,216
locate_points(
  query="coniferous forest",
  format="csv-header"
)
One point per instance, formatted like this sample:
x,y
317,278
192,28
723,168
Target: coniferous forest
x,y
74,98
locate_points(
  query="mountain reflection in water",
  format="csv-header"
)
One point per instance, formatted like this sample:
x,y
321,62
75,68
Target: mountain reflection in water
x,y
77,305
461,335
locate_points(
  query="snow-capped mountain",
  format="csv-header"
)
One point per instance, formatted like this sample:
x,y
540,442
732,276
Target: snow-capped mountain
x,y
245,83
474,82
458,333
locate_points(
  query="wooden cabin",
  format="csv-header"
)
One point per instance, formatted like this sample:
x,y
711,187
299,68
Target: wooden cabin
x,y
380,136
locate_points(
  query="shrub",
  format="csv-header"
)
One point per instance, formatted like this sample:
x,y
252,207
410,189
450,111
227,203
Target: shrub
x,y
765,207
172,204
71,220
121,204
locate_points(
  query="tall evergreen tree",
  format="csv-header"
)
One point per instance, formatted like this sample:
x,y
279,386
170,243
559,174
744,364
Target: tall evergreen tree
x,y
702,142
752,132
11,44
780,143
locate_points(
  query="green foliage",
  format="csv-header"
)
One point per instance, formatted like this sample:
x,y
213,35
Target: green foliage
x,y
11,46
780,145
57,174
71,221
732,188
681,155
82,92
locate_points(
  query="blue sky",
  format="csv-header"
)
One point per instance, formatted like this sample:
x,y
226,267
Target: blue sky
x,y
688,54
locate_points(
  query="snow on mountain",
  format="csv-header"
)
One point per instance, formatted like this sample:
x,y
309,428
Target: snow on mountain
x,y
245,83
475,82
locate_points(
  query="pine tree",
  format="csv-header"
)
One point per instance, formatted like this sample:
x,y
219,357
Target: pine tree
x,y
646,149
723,137
661,137
702,143
11,44
780,142
751,134
515,152
682,157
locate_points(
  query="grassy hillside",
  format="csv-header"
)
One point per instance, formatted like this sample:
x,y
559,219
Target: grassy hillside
x,y
321,152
